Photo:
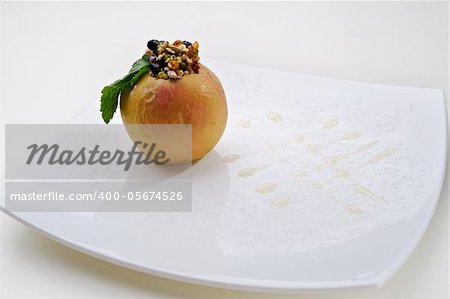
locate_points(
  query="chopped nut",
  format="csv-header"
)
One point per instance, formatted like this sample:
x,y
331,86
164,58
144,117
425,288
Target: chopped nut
x,y
162,75
176,49
172,74
168,49
173,64
161,49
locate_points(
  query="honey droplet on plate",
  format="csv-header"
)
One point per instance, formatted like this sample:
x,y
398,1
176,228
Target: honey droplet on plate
x,y
353,209
340,173
274,146
367,193
266,188
329,124
247,172
230,158
245,123
352,135
382,155
317,185
282,201
333,160
366,146
298,138
312,147
302,174
275,117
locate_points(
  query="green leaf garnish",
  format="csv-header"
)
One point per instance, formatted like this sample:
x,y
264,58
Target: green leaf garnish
x,y
110,94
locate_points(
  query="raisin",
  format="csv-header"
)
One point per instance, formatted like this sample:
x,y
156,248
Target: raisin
x,y
186,43
153,44
155,67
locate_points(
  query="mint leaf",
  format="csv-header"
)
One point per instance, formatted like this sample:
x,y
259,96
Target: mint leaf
x,y
110,94
138,75
138,64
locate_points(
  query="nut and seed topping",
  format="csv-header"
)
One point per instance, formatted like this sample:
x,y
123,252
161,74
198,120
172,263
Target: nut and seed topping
x,y
172,60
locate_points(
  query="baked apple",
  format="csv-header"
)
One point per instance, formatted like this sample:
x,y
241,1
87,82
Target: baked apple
x,y
168,85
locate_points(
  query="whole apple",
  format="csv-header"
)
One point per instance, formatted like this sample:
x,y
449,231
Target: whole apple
x,y
197,99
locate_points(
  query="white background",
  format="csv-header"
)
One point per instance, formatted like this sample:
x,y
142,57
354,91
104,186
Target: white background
x,y
66,52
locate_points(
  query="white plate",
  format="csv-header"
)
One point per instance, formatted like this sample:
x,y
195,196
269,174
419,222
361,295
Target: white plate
x,y
316,184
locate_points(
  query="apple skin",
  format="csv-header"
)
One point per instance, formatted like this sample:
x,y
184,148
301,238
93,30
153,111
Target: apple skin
x,y
196,99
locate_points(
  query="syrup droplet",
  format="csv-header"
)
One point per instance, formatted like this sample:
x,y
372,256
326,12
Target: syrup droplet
x,y
340,173
275,117
317,185
353,209
382,155
245,123
247,172
302,174
282,201
230,158
367,146
312,147
333,160
352,135
266,188
329,124
367,193
298,138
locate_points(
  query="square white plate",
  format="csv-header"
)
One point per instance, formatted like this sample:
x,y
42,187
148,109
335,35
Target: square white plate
x,y
316,184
